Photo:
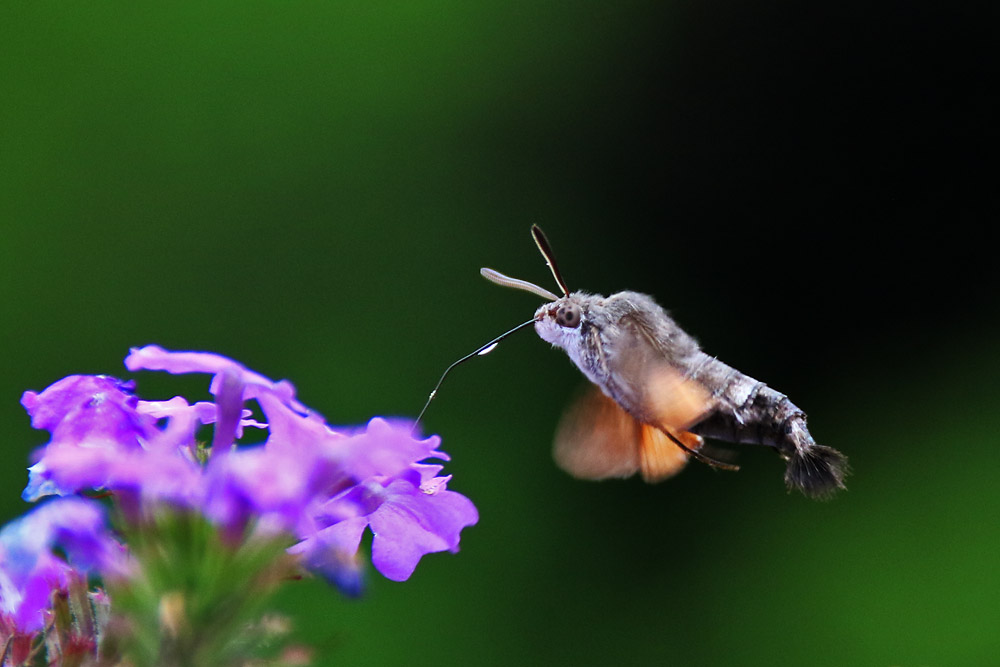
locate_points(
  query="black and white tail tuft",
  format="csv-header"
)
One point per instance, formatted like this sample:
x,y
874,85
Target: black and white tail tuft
x,y
815,470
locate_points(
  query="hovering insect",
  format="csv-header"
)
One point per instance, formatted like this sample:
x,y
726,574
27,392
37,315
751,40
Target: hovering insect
x,y
656,395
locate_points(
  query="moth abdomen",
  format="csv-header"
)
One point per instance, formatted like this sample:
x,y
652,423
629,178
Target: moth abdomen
x,y
750,412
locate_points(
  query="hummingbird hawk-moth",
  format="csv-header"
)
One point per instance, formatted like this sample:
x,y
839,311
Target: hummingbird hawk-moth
x,y
656,395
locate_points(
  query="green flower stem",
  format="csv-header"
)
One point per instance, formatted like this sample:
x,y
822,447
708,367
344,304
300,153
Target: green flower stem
x,y
194,600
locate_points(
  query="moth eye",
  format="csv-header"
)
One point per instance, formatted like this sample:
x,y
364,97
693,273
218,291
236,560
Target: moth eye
x,y
568,316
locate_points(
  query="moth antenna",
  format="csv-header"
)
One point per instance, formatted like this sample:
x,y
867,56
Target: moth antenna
x,y
507,281
480,351
707,460
550,259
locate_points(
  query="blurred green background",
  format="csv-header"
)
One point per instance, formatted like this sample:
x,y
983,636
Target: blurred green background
x,y
311,188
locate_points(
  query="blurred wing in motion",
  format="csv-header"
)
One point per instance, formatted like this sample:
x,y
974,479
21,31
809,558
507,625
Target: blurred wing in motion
x,y
673,401
597,439
659,457
655,390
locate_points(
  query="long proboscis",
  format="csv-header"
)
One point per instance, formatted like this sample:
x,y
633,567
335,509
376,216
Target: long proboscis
x,y
506,281
480,351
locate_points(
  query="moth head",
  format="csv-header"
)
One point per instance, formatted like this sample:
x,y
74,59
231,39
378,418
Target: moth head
x,y
566,321
568,314
560,321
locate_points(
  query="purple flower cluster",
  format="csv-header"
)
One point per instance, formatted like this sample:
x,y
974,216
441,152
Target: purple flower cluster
x,y
320,486
30,571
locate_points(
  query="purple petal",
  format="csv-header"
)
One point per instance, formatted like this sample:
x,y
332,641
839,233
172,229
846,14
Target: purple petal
x,y
387,449
156,358
280,487
157,476
412,522
25,598
29,572
66,469
143,474
89,411
290,429
92,418
183,421
72,523
79,527
229,405
332,553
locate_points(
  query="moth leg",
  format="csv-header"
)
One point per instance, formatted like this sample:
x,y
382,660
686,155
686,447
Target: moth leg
x,y
704,458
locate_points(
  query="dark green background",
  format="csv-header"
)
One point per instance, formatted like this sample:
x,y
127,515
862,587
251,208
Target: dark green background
x,y
311,188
